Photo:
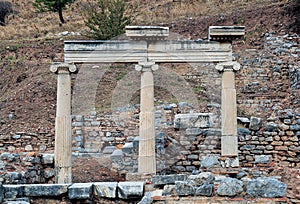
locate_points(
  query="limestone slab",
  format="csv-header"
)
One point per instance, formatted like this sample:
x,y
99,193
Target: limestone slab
x,y
80,191
45,189
13,191
106,189
193,120
168,179
137,51
127,190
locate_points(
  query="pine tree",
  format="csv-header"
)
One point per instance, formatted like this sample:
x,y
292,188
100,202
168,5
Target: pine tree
x,y
107,18
52,5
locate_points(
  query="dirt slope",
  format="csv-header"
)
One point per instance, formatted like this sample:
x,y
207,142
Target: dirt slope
x,y
28,89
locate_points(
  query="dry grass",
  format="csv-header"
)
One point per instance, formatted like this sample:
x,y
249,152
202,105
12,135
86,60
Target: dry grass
x,y
30,24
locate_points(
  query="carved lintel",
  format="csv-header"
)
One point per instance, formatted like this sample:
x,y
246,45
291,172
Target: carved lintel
x,y
146,66
228,66
56,66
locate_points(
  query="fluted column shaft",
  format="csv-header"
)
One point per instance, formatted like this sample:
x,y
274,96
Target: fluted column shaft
x,y
63,129
146,158
229,140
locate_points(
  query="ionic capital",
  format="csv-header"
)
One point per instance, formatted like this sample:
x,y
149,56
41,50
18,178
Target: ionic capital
x,y
228,66
146,67
62,67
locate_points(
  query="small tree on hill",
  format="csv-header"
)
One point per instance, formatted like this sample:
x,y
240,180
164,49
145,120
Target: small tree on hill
x,y
5,9
52,5
107,18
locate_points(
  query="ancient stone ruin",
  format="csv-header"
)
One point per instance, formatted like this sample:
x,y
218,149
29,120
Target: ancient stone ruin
x,y
217,157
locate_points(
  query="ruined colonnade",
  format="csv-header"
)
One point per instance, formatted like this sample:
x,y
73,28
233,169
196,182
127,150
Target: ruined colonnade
x,y
148,46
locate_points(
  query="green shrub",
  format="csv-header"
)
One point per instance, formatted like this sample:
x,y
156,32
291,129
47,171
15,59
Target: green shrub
x,y
107,18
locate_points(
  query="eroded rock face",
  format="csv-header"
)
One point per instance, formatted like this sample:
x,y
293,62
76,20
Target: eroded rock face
x,y
266,187
230,187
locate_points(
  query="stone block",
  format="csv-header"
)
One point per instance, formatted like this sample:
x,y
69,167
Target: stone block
x,y
210,161
281,148
193,120
13,191
136,143
40,190
262,159
13,177
80,191
190,168
184,188
295,127
255,123
106,189
1,192
248,147
17,201
284,127
200,179
128,148
271,127
193,156
169,190
266,187
109,149
243,131
168,179
193,131
285,114
160,138
230,187
116,156
128,190
48,158
147,199
212,132
205,190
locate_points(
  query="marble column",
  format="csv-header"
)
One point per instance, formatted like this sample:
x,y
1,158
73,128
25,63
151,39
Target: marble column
x,y
146,158
229,140
63,129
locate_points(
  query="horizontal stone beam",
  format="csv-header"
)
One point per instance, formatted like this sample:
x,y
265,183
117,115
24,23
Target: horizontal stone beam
x,y
189,51
105,51
138,51
226,33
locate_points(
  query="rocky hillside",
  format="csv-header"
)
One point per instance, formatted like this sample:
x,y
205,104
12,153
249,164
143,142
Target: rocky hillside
x,y
31,41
